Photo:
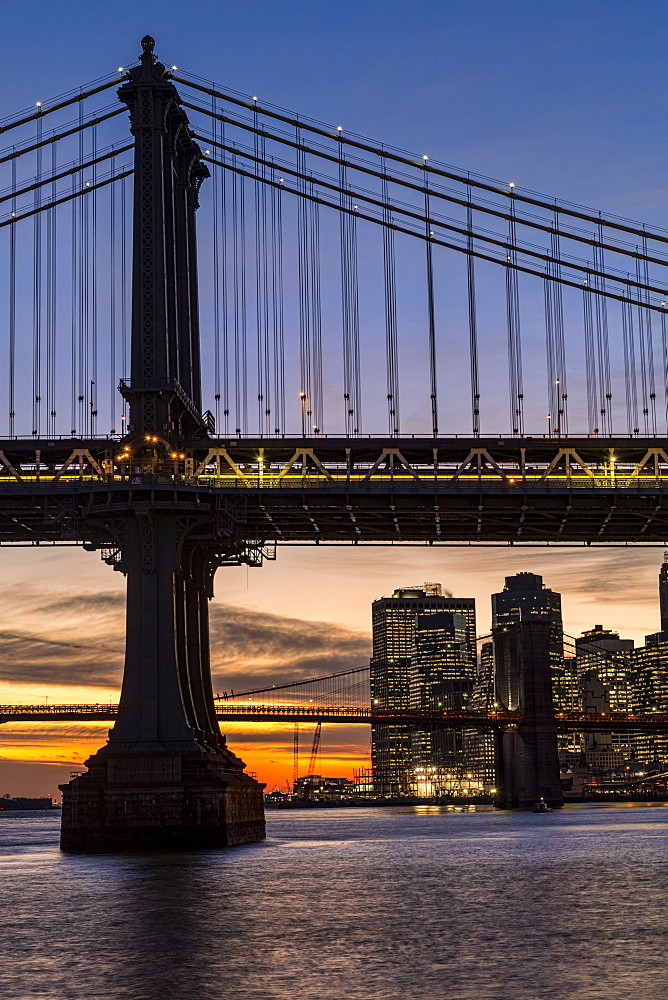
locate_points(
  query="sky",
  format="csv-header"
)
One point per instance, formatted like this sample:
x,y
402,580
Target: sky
x,y
566,98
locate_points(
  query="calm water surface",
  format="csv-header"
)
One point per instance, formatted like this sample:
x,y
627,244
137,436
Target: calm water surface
x,y
348,903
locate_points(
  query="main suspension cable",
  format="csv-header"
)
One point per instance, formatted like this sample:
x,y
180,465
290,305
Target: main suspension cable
x,y
384,154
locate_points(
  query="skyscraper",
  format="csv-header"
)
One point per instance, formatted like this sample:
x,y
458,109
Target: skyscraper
x,y
393,627
441,677
602,656
663,593
525,597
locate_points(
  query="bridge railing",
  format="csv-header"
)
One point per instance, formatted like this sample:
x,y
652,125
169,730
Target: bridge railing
x,y
52,482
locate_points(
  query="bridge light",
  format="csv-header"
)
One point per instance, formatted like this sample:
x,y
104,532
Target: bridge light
x,y
280,180
38,104
120,69
175,67
511,184
339,128
255,98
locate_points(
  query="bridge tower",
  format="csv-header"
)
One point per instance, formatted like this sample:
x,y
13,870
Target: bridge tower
x,y
166,778
526,756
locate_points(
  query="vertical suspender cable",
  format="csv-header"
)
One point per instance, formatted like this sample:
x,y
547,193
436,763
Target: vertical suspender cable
x,y
223,271
391,349
644,350
304,293
590,360
473,322
552,389
93,293
630,382
558,331
124,262
431,310
260,250
264,260
51,298
216,181
602,342
514,337
12,309
74,301
112,305
37,292
239,231
83,290
664,347
277,308
316,314
349,304
650,339
344,249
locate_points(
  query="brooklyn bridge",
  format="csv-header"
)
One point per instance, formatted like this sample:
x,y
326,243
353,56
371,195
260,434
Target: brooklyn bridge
x,y
369,321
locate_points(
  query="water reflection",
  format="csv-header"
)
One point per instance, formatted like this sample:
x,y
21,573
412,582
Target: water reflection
x,y
422,902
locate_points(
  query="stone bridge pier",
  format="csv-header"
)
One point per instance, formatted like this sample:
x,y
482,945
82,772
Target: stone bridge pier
x,y
526,756
166,778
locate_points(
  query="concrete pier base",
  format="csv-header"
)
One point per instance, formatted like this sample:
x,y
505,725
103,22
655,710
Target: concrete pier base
x,y
161,801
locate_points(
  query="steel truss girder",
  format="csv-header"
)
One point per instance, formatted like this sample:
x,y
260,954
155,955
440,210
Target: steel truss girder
x,y
356,490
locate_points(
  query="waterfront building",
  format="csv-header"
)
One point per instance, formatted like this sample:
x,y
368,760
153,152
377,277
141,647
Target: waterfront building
x,y
393,628
650,692
442,673
483,699
663,593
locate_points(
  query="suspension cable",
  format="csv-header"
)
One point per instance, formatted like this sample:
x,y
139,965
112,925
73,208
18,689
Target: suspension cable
x,y
513,264
56,137
444,223
382,152
43,110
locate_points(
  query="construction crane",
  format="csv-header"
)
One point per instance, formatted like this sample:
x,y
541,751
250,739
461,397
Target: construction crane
x,y
295,758
314,754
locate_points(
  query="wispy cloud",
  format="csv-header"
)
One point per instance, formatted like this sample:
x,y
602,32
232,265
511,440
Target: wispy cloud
x,y
249,647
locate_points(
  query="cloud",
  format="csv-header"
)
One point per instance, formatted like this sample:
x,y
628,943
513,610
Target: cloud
x,y
110,602
29,658
249,647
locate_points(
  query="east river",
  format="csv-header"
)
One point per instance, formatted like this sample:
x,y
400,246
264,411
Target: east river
x,y
398,904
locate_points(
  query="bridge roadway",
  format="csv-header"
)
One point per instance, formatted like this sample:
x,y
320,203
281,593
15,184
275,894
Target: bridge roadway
x,y
616,722
261,491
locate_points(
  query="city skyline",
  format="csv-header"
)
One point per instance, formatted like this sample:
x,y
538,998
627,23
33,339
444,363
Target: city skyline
x,y
281,647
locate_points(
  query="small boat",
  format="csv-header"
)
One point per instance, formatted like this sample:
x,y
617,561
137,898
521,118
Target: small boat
x,y
541,807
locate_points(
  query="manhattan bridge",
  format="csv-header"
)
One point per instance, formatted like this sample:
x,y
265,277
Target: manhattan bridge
x,y
356,344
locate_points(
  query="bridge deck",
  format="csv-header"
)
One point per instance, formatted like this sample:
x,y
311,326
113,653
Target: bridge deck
x,y
382,490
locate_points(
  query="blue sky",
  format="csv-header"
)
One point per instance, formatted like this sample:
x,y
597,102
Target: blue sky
x,y
565,98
